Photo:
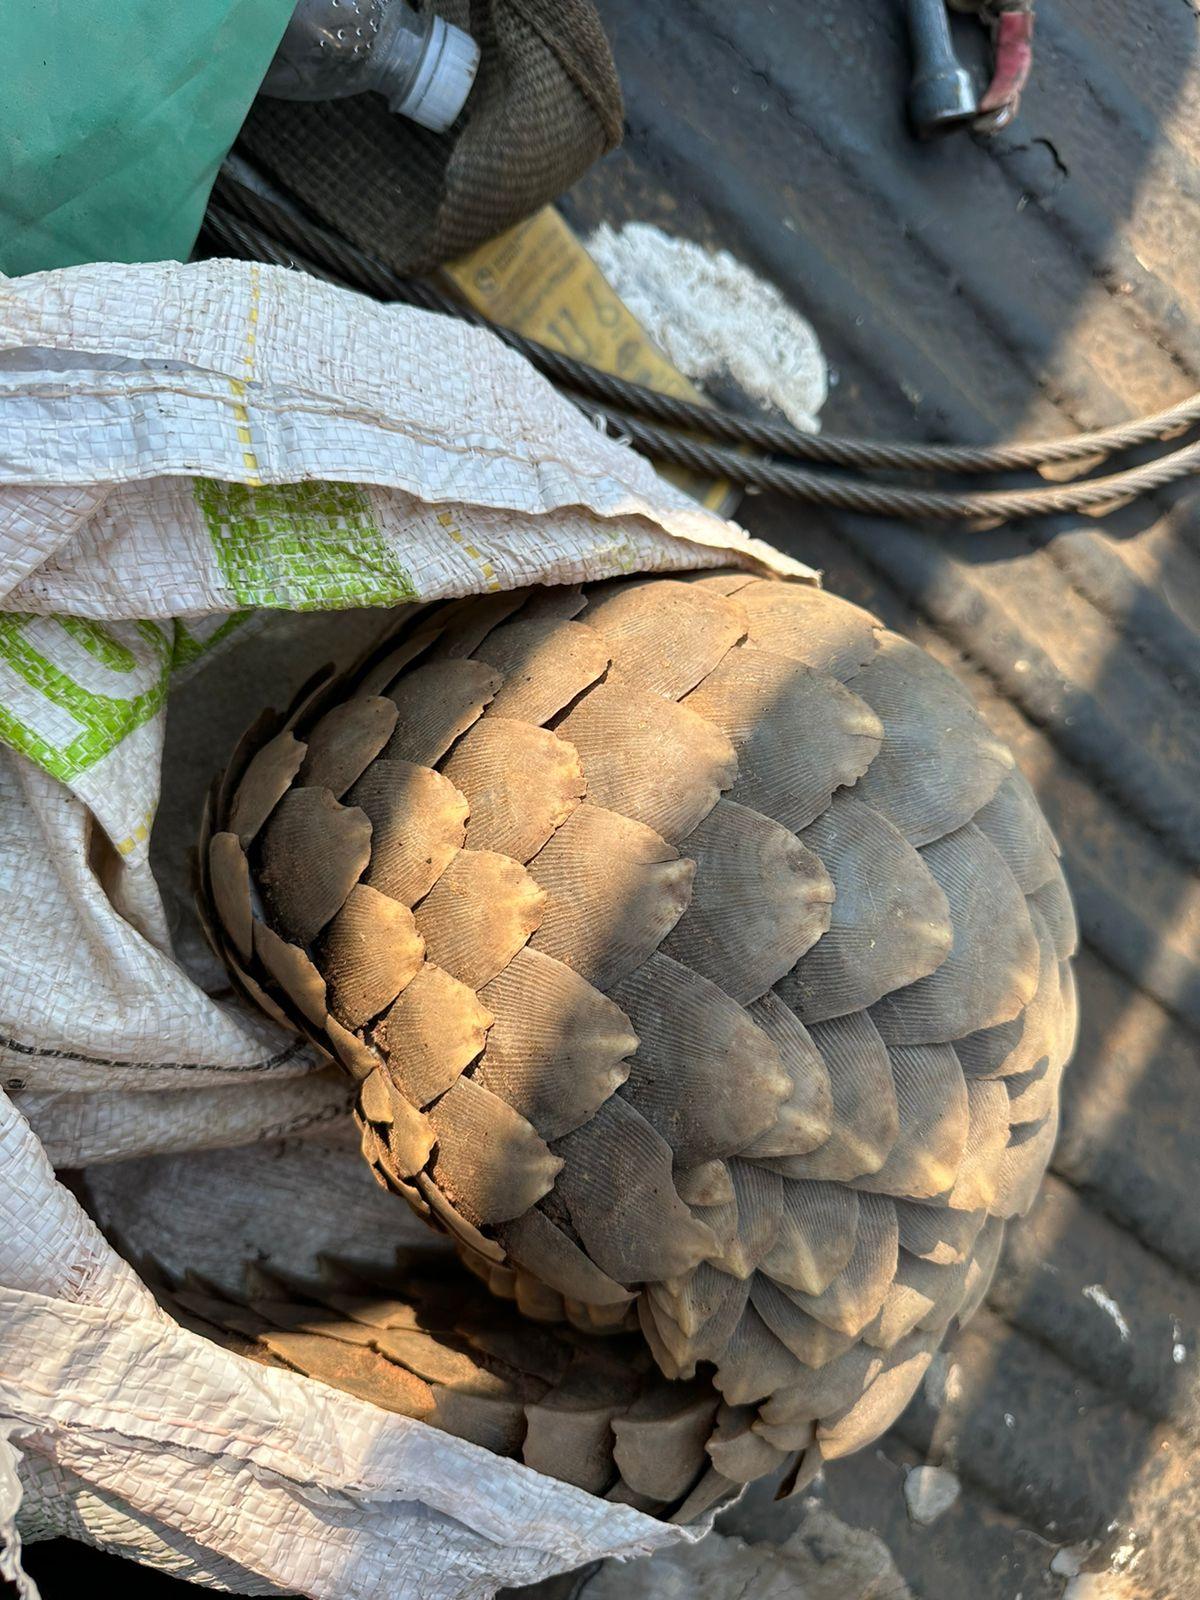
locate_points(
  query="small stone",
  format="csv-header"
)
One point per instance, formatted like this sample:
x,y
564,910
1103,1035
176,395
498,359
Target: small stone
x,y
943,1381
929,1492
1068,1562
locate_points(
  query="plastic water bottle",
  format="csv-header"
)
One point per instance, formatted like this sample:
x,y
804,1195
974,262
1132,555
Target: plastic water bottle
x,y
421,64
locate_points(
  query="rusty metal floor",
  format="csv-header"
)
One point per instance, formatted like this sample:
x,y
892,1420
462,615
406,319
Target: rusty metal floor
x,y
1047,281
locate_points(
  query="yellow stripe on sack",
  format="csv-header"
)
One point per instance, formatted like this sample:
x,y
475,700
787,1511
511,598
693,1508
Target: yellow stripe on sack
x,y
238,386
484,565
139,835
539,279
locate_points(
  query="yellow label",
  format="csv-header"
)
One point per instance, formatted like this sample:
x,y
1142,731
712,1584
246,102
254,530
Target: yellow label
x,y
539,280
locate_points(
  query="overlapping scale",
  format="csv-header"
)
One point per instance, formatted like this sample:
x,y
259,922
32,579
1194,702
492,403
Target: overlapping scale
x,y
440,701
432,1033
1013,821
884,1398
737,1452
939,763
617,1187
557,1049
648,758
312,852
660,1439
825,633
822,1391
229,878
865,1114
890,925
538,1245
369,952
522,1169
1024,1160
569,1433
521,783
853,1295
704,1074
265,782
613,891
936,1233
701,960
757,1193
691,1341
464,624
759,902
934,1119
418,824
694,1300
804,1121
543,665
818,1231
989,1113
1053,902
922,1296
805,1337
479,914
758,700
664,636
346,740
292,971
755,1362
990,972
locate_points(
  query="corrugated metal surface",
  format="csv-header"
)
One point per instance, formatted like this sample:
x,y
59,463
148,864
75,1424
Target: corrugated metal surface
x,y
969,291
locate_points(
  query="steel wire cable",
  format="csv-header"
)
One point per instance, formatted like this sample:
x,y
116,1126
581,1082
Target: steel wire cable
x,y
877,499
275,212
249,243
877,454
285,237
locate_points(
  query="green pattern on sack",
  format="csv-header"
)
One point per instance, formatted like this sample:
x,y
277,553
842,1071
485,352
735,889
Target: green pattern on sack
x,y
66,725
98,642
41,698
188,648
304,546
301,546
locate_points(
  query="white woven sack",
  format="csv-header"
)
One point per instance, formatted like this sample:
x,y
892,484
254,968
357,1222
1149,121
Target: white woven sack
x,y
189,457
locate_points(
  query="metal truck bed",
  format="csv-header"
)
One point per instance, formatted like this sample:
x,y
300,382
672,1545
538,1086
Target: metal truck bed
x,y
1045,281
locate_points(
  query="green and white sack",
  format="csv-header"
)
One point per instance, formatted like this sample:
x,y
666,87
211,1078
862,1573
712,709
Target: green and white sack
x,y
193,460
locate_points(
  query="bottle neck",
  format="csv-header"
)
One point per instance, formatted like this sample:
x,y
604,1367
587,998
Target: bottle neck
x,y
423,65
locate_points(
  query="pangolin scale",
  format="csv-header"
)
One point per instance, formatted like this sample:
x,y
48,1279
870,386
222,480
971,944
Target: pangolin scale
x,y
703,964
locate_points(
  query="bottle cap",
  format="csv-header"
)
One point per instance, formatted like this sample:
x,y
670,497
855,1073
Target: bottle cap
x,y
443,78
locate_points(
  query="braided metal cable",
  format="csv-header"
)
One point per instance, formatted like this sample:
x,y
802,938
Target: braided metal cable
x,y
856,494
247,243
872,454
242,194
274,212
339,262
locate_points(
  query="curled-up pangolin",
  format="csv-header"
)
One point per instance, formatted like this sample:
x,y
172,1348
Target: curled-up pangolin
x,y
702,960
421,1338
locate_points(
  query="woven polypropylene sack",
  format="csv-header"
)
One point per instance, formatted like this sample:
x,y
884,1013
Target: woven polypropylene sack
x,y
210,475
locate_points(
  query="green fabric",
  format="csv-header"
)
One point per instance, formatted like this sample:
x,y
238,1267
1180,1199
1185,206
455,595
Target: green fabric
x,y
306,546
98,720
114,117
